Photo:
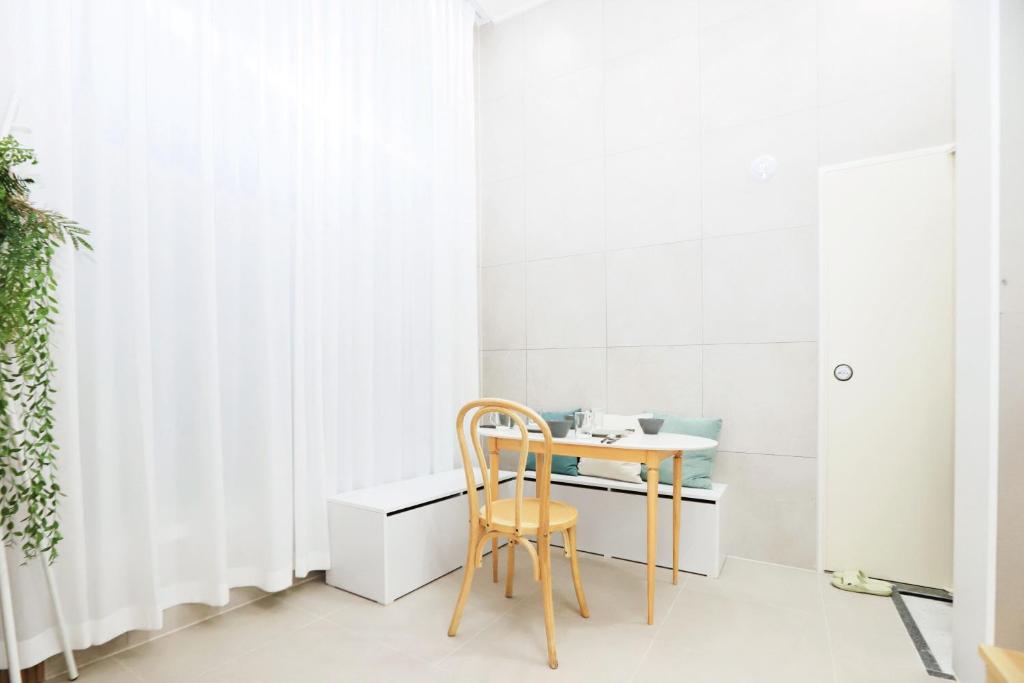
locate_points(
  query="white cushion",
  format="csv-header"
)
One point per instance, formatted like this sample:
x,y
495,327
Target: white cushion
x,y
610,469
612,421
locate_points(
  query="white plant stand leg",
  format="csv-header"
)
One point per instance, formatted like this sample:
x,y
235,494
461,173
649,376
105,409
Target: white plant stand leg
x,y
7,612
6,607
62,627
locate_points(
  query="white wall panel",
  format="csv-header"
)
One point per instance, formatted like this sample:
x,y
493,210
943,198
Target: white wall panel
x,y
706,299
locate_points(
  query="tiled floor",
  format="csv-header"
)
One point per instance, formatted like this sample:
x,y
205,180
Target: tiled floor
x,y
757,623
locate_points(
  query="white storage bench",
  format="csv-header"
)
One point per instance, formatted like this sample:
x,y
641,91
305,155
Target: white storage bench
x,y
613,521
389,540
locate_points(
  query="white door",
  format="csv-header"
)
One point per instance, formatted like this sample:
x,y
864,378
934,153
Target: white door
x,y
887,315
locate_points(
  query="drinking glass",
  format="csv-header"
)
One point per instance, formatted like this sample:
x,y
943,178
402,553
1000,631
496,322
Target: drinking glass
x,y
583,422
501,420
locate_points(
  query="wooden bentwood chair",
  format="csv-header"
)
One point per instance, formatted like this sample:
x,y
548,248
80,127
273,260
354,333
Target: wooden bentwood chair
x,y
515,518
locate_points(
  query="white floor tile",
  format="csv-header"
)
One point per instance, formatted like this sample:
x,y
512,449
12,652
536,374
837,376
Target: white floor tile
x,y
757,622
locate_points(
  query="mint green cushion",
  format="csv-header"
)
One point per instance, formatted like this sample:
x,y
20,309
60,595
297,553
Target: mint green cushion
x,y
560,464
697,465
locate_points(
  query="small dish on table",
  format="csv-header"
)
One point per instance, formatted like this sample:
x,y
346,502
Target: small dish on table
x,y
651,425
559,428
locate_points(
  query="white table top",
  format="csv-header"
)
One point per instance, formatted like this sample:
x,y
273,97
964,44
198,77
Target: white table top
x,y
633,442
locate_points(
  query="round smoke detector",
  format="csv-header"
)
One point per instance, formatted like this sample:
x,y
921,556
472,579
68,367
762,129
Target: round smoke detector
x,y
763,167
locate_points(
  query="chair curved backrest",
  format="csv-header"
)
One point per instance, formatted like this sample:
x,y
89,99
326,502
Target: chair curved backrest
x,y
467,424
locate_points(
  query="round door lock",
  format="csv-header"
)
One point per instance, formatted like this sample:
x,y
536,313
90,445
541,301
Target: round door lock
x,y
843,372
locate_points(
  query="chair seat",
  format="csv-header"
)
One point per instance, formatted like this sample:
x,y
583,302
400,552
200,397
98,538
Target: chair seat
x,y
503,517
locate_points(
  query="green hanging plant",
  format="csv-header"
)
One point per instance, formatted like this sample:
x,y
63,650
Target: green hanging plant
x,y
29,237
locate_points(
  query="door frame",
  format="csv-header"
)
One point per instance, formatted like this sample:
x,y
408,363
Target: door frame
x,y
823,377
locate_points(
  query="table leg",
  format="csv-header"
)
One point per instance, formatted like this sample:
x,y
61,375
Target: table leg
x,y
652,532
495,463
677,506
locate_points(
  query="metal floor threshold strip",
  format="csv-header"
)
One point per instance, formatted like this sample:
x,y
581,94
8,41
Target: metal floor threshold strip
x,y
926,615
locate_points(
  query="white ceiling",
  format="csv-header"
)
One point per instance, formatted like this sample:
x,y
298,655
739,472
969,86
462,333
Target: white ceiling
x,y
497,10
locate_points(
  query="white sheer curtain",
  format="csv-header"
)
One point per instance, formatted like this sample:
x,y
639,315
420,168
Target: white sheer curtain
x,y
282,300
385,313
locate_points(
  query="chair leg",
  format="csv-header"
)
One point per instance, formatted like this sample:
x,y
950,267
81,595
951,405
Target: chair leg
x,y
573,559
467,581
511,571
544,551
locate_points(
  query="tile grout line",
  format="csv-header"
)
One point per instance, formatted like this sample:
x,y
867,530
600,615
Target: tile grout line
x,y
492,622
700,195
525,230
245,651
669,243
654,346
657,630
700,207
132,672
483,628
604,190
828,630
772,564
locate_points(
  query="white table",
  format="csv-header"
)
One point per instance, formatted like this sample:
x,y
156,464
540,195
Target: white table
x,y
649,449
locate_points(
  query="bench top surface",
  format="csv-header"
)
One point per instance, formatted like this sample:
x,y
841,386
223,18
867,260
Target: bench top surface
x,y
634,442
399,495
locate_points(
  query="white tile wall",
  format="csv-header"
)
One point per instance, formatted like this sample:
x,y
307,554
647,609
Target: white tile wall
x,y
501,138
502,222
652,195
654,295
565,302
759,64
503,307
500,57
565,119
652,95
562,379
912,117
565,210
646,378
766,394
631,25
736,200
562,37
503,374
761,287
717,11
773,504
910,44
630,258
